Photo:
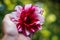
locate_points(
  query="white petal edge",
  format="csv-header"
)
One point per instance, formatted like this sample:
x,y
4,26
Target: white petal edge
x,y
27,32
18,8
27,6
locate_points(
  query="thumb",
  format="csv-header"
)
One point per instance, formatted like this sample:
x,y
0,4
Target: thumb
x,y
8,26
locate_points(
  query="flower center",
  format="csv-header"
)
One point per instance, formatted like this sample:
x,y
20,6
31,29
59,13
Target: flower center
x,y
28,20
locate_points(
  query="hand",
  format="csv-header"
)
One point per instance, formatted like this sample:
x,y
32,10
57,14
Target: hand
x,y
10,30
8,26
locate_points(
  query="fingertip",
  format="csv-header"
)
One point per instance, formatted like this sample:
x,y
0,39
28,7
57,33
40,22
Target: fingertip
x,y
7,17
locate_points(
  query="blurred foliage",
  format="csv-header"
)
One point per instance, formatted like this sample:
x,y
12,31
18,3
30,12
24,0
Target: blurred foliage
x,y
51,26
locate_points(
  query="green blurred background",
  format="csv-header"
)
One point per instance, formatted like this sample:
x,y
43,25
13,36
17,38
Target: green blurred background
x,y
51,26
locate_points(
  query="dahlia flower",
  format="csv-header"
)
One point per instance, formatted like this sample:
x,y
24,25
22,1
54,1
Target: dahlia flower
x,y
28,18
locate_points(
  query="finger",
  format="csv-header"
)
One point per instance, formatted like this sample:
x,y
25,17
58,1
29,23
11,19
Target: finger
x,y
7,17
24,37
8,26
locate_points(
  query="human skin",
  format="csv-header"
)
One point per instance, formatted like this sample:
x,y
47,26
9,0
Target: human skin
x,y
10,30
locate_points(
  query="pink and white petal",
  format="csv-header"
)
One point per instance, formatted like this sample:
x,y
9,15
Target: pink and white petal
x,y
32,30
27,32
14,15
41,19
40,28
39,10
38,22
19,28
18,9
27,6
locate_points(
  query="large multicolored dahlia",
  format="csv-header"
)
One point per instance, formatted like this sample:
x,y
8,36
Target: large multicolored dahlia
x,y
28,18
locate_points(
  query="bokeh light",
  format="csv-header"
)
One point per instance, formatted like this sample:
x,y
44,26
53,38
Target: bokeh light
x,y
26,1
51,18
54,37
10,6
45,33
